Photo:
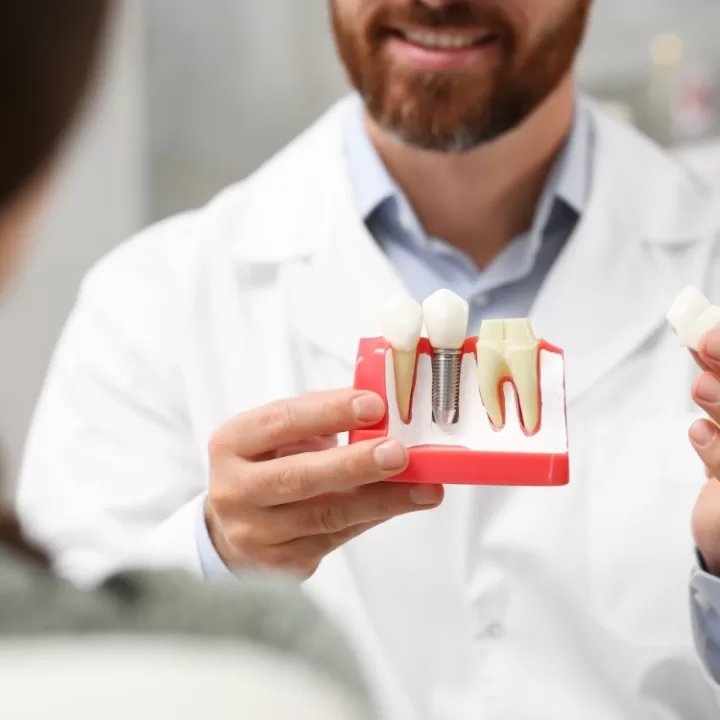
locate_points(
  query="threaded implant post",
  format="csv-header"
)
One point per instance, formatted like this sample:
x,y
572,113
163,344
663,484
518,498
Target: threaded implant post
x,y
446,366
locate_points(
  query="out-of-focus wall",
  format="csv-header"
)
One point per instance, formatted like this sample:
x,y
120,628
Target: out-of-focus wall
x,y
621,31
99,200
231,82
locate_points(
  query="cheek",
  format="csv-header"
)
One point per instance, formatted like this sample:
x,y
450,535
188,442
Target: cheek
x,y
535,19
350,14
9,257
16,226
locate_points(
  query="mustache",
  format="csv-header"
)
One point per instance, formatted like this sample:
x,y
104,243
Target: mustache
x,y
461,15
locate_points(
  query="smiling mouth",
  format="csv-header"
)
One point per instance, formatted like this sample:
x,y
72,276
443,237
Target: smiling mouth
x,y
444,41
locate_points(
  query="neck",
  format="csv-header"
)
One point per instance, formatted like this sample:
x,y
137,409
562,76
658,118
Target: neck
x,y
479,201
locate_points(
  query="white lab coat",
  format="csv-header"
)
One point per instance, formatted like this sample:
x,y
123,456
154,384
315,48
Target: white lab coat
x,y
504,604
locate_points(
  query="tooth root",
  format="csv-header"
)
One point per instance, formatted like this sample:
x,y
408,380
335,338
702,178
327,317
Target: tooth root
x,y
492,368
404,367
521,354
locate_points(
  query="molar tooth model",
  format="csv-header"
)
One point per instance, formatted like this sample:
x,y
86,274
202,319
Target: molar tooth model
x,y
486,410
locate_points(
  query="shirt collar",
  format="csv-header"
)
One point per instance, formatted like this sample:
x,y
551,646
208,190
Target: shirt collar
x,y
373,186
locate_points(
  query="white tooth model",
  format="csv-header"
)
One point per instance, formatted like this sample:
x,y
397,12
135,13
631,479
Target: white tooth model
x,y
401,320
508,351
446,320
691,316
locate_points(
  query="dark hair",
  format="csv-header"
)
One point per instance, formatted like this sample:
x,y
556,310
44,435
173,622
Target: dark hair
x,y
48,50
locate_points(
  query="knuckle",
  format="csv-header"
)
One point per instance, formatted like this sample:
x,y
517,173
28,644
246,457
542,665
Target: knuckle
x,y
246,538
280,415
277,556
291,480
219,500
385,507
330,518
227,493
354,464
220,442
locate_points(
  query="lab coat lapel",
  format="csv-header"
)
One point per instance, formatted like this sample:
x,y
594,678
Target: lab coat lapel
x,y
338,291
602,299
607,293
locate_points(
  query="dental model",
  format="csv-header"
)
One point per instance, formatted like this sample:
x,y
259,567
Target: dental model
x,y
691,315
401,321
446,320
486,410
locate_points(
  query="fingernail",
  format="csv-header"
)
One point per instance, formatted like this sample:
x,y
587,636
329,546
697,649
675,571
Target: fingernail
x,y
425,495
369,407
703,433
712,345
390,455
708,389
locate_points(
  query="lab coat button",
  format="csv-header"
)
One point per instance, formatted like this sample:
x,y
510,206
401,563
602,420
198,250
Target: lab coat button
x,y
495,630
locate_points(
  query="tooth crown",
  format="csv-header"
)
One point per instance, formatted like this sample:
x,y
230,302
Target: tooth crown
x,y
446,320
401,321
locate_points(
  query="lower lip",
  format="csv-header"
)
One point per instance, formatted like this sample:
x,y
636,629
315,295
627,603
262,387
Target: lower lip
x,y
444,58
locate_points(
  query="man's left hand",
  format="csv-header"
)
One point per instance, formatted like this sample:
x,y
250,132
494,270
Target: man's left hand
x,y
705,438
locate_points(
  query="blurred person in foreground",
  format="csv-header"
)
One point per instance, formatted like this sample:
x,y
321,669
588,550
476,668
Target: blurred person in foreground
x,y
191,408
277,651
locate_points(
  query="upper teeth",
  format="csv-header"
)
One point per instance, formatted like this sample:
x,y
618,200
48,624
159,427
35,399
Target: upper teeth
x,y
433,40
508,350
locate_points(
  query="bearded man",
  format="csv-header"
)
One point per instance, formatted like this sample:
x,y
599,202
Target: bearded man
x,y
193,406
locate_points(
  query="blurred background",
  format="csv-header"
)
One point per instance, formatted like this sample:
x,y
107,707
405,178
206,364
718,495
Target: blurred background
x,y
195,95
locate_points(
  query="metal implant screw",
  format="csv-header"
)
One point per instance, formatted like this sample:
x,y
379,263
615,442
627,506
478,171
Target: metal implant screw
x,y
446,365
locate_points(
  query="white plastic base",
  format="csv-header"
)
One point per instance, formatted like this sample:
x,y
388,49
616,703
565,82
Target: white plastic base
x,y
474,430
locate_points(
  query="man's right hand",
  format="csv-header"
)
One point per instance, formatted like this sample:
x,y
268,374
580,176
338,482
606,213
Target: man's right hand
x,y
283,495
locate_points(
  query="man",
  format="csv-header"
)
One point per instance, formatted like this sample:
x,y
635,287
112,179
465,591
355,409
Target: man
x,y
468,163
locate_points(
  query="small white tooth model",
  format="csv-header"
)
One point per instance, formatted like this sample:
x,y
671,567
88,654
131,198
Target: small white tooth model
x,y
485,410
692,315
401,321
446,321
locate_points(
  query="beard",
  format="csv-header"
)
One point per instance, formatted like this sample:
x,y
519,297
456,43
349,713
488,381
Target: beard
x,y
455,111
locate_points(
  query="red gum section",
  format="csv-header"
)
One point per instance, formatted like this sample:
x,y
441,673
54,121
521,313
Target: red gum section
x,y
450,464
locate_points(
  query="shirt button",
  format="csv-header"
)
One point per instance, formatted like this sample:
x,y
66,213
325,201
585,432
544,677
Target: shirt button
x,y
495,630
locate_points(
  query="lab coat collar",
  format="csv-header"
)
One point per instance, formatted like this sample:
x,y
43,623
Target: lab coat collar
x,y
605,296
312,173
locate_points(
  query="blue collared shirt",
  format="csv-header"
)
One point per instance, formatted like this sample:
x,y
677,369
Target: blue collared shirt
x,y
505,288
508,285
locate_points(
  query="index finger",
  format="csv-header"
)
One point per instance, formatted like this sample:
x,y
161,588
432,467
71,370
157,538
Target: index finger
x,y
709,350
289,421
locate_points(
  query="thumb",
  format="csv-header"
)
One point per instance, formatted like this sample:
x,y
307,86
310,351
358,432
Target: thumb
x,y
706,524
